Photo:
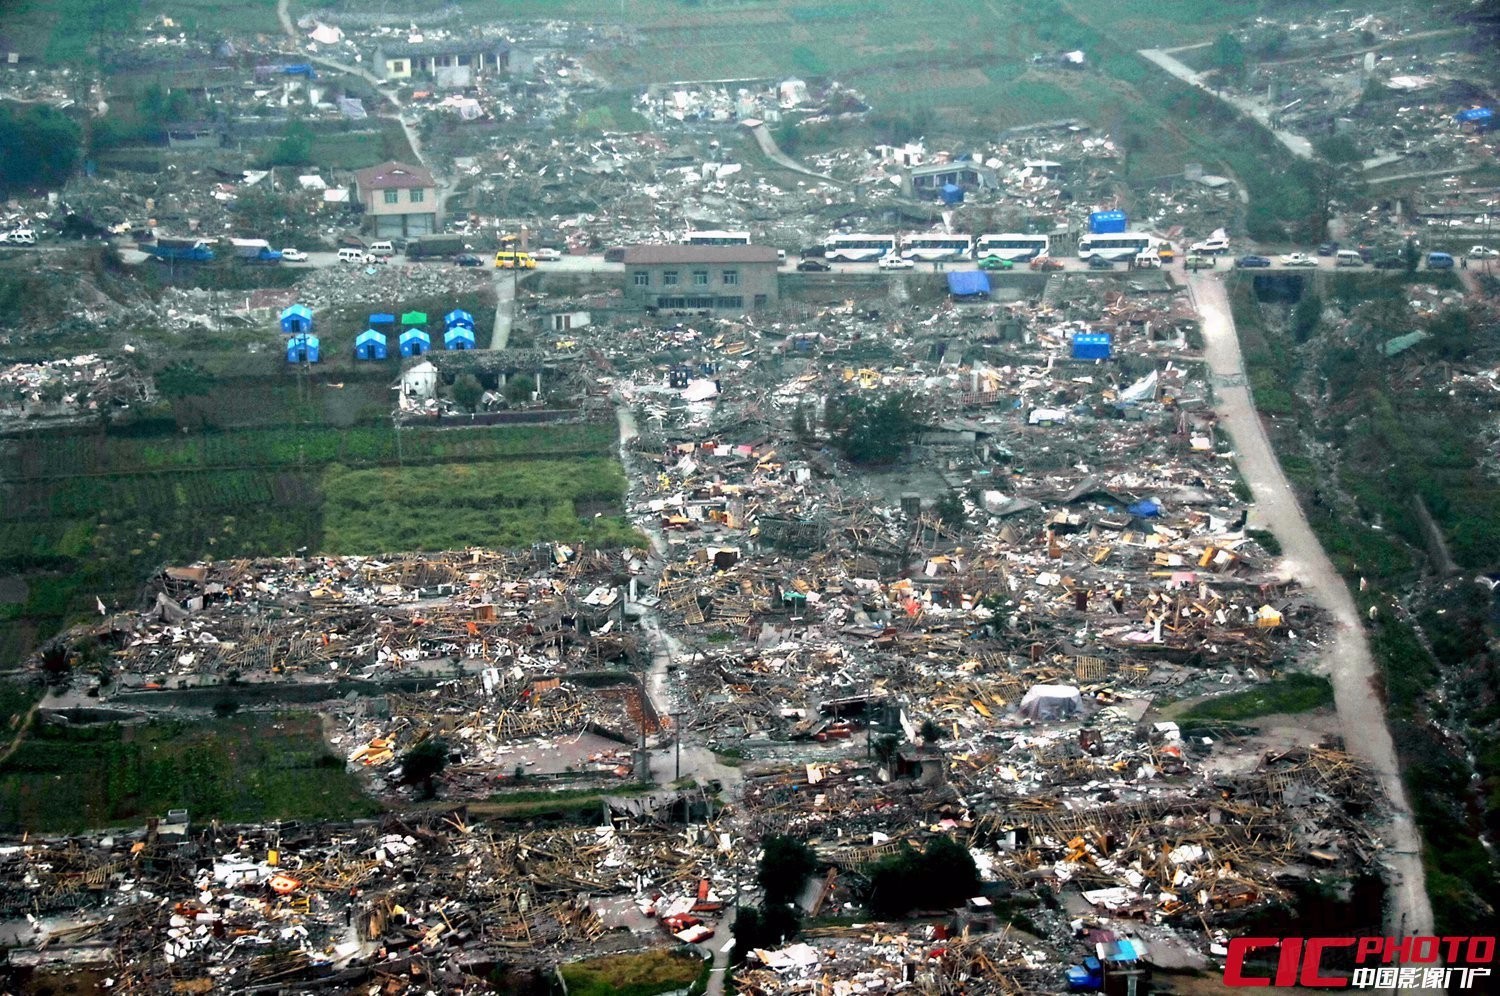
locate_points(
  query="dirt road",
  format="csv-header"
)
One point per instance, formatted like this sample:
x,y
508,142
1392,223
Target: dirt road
x,y
1294,143
1347,659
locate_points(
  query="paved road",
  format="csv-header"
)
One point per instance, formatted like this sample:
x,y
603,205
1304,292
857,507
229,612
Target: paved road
x,y
1295,144
505,307
1348,661
773,152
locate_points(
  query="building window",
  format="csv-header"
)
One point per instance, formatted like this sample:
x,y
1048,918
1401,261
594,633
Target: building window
x,y
731,277
700,302
391,196
731,302
643,279
399,66
669,277
417,196
761,301
700,278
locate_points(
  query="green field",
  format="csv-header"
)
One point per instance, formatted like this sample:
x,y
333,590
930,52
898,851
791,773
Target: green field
x,y
89,516
643,974
243,768
1294,693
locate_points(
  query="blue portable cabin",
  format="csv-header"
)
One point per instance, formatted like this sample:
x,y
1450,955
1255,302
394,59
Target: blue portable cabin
x,y
458,337
1482,118
381,318
1086,978
969,283
1093,346
1107,222
951,193
296,320
370,345
302,348
415,342
458,317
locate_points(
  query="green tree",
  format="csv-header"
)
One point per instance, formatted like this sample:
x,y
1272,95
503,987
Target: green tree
x,y
931,731
423,763
295,147
1306,316
785,864
941,876
1411,255
519,389
950,509
1229,57
873,430
39,146
767,928
467,391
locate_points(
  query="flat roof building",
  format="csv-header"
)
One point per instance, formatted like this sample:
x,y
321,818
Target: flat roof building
x,y
702,278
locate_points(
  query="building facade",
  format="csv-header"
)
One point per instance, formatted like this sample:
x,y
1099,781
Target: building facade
x,y
427,59
399,200
702,278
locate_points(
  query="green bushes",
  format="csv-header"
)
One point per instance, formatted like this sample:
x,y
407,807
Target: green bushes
x,y
1294,693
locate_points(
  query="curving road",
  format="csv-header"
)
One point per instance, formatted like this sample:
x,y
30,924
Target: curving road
x,y
1348,661
1295,144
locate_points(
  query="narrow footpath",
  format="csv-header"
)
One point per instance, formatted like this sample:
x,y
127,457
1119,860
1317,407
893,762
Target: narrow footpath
x,y
1346,659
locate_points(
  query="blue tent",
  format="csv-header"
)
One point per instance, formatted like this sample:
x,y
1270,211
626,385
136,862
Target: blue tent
x,y
302,348
1475,115
458,317
369,345
1147,509
1106,222
380,318
1092,345
296,319
952,193
415,342
458,338
969,283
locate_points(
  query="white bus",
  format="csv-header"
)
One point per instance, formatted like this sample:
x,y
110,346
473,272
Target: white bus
x,y
1121,245
928,248
859,248
717,239
1012,246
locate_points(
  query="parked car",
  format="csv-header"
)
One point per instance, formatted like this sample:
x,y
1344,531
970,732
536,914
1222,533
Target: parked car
x,y
895,263
1198,261
467,259
1389,263
1210,247
1483,252
1328,249
996,263
293,256
1298,259
1100,263
1046,263
546,255
814,266
1247,262
1439,261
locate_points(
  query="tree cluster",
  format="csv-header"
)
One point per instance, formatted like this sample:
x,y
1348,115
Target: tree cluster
x,y
873,429
941,876
785,864
38,146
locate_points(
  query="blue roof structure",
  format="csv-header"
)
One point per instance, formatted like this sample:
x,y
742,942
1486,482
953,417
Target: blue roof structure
x,y
302,348
969,283
415,342
458,317
380,318
296,319
1475,114
1107,222
370,345
1093,345
458,337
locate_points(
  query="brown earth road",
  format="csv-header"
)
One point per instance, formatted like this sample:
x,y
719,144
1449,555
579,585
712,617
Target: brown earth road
x,y
1346,658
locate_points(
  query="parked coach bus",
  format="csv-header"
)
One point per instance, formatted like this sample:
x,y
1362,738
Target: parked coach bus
x,y
1015,247
1118,245
859,248
930,248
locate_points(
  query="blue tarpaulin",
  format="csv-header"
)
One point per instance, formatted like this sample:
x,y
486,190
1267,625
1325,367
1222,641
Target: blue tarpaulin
x,y
969,283
381,318
1092,345
1106,222
952,193
1147,509
1475,114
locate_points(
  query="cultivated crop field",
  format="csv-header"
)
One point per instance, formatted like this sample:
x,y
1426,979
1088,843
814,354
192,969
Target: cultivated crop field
x,y
91,515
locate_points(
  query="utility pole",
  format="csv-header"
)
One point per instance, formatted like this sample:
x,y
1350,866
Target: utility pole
x,y
677,739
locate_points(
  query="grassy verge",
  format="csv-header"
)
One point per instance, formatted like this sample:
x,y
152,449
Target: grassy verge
x,y
255,767
643,974
566,803
1294,693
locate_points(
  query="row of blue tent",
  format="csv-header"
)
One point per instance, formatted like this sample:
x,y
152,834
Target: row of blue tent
x,y
373,344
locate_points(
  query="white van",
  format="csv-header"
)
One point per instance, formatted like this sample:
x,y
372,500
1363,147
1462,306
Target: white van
x,y
382,249
22,237
347,255
1348,257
